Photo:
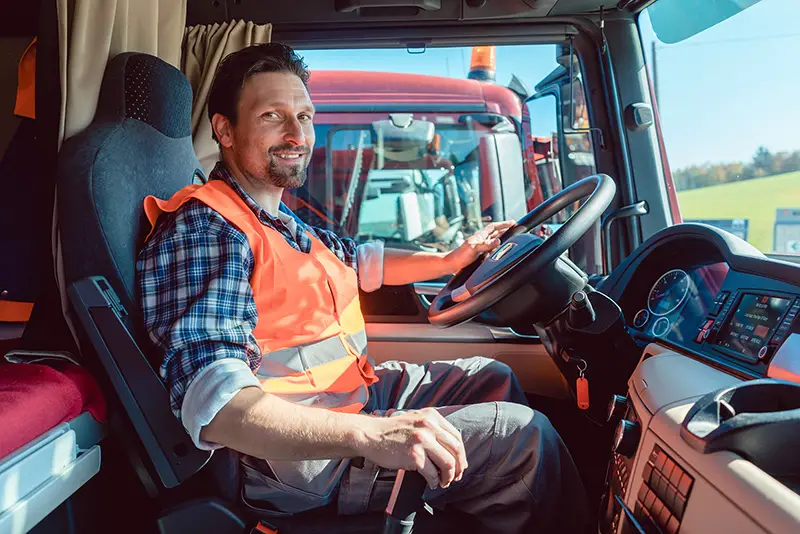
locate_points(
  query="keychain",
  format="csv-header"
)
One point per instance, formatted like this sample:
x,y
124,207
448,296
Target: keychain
x,y
582,387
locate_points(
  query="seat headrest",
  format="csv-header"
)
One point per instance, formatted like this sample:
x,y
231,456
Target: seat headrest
x,y
127,91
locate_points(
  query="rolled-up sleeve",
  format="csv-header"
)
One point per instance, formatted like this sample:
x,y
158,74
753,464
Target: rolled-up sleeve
x,y
369,257
366,259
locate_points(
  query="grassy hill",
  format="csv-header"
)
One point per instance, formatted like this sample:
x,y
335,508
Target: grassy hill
x,y
755,200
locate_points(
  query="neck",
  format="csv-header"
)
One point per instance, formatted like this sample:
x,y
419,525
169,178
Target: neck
x,y
266,195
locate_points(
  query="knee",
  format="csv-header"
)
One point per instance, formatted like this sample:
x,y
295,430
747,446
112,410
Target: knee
x,y
524,423
526,434
500,379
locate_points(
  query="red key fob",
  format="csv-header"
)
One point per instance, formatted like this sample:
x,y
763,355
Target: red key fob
x,y
582,390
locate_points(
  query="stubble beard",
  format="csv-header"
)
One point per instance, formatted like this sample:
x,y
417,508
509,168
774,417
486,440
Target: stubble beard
x,y
286,178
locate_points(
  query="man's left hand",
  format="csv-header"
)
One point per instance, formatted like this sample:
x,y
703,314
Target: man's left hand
x,y
485,240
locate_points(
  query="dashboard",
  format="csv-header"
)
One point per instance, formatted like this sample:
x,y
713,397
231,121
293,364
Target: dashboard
x,y
711,295
696,447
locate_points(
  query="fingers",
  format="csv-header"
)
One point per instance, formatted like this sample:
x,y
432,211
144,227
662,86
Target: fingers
x,y
428,469
443,465
456,447
502,225
440,457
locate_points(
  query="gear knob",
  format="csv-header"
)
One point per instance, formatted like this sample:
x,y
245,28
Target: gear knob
x,y
404,503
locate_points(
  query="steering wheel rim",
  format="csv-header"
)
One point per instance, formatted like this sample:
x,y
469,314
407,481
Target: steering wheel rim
x,y
520,254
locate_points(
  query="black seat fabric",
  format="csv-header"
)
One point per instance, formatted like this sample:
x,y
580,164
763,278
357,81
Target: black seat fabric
x,y
139,144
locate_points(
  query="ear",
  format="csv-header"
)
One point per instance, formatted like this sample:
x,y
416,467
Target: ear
x,y
223,129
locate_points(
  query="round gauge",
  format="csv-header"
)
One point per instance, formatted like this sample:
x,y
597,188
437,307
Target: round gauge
x,y
661,327
669,292
641,318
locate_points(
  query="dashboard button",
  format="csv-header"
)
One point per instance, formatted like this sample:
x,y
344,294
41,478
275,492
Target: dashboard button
x,y
660,461
679,506
648,471
676,475
763,352
685,484
673,525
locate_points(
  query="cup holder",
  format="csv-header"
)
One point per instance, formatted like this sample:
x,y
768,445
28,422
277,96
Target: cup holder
x,y
759,420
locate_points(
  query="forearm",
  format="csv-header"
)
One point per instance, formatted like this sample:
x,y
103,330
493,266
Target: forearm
x,y
267,427
402,267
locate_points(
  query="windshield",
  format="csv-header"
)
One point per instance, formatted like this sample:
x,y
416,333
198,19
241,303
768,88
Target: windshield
x,y
727,99
399,187
420,148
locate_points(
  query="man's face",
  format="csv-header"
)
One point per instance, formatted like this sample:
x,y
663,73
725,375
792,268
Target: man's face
x,y
274,134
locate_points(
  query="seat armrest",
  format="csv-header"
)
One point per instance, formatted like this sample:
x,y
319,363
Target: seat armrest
x,y
142,394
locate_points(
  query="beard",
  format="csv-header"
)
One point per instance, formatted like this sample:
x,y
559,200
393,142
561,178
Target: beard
x,y
284,176
287,176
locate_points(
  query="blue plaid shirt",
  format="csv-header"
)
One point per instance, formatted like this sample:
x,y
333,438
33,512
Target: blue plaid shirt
x,y
194,286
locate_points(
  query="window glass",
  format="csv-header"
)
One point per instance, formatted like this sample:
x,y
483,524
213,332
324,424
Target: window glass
x,y
415,149
727,100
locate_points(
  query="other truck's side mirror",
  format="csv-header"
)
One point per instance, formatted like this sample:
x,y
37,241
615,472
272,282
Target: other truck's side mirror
x,y
542,132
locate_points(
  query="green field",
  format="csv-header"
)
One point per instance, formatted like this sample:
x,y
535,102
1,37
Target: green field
x,y
755,200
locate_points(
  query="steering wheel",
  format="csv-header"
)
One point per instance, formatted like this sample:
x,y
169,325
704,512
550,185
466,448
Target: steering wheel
x,y
521,255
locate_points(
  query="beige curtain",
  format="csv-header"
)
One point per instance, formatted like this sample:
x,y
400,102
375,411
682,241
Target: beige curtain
x,y
204,47
91,32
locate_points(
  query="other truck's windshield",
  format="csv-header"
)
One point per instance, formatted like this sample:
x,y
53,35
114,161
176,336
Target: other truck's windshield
x,y
727,98
403,178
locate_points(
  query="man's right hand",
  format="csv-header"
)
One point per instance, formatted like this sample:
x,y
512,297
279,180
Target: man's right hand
x,y
417,440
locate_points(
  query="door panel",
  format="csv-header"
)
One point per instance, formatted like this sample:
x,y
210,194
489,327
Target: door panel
x,y
419,344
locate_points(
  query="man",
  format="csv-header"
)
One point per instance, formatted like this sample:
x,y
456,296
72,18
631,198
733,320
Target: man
x,y
257,318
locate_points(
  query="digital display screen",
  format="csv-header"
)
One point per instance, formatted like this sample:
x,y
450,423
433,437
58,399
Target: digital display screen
x,y
754,320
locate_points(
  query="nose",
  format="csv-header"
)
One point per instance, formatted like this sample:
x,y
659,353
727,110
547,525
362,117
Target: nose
x,y
293,132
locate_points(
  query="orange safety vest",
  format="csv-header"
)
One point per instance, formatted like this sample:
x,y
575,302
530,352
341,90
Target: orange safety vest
x,y
310,329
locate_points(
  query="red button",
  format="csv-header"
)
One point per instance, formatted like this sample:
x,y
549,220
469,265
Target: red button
x,y
700,334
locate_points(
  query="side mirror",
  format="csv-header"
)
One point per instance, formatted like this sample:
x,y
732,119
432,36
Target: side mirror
x,y
542,126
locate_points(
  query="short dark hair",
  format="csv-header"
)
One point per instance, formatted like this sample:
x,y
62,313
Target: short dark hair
x,y
236,68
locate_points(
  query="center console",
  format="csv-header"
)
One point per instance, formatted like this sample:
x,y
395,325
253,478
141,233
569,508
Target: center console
x,y
660,481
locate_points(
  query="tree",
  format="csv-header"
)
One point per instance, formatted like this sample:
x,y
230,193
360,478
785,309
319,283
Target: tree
x,y
762,161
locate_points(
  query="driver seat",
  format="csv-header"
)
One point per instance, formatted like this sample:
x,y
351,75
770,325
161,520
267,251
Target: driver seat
x,y
140,144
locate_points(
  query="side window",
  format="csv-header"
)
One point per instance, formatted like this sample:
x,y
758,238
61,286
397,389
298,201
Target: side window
x,y
559,151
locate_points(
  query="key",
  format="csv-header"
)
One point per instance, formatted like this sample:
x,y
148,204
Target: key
x,y
582,388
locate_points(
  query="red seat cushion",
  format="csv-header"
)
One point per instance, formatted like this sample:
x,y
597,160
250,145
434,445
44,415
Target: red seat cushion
x,y
35,398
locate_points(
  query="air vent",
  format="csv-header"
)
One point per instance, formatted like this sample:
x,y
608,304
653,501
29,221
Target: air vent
x,y
664,493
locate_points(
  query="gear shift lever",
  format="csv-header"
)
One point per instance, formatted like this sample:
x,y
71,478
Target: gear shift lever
x,y
404,503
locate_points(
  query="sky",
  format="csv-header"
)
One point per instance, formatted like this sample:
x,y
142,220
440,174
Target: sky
x,y
722,93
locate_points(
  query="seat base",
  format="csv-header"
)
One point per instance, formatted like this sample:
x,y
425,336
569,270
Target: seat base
x,y
213,515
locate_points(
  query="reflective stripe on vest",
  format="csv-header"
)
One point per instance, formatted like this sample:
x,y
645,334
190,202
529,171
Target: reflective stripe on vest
x,y
310,329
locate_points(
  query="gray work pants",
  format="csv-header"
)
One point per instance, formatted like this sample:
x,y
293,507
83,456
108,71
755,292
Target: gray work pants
x,y
520,478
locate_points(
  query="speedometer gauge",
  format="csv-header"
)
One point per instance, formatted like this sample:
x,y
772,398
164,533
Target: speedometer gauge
x,y
669,292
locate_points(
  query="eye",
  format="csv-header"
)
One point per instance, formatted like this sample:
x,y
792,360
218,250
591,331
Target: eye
x,y
270,115
305,117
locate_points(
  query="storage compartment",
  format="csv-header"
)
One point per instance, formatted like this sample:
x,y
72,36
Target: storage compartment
x,y
759,420
37,478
